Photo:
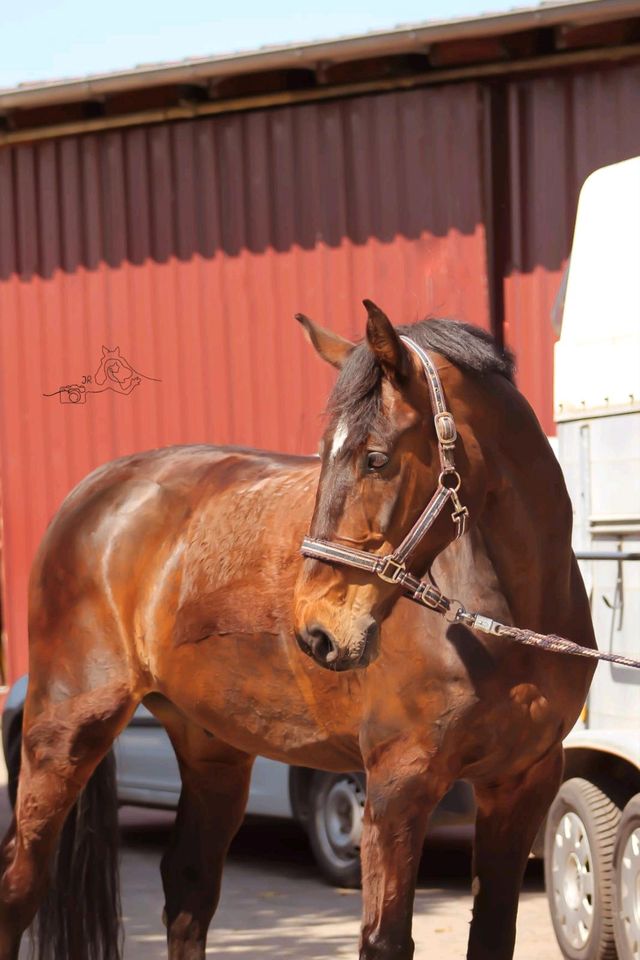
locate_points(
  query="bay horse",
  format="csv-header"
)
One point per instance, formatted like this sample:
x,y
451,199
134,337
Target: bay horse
x,y
167,577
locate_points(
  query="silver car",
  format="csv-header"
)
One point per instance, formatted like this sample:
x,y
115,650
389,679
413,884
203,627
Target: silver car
x,y
329,806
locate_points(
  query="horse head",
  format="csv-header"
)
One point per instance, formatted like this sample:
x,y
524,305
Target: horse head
x,y
382,464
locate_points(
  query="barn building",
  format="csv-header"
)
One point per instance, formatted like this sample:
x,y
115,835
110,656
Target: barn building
x,y
159,227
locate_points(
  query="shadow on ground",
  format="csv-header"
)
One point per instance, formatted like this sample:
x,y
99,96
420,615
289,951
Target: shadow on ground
x,y
274,903
265,843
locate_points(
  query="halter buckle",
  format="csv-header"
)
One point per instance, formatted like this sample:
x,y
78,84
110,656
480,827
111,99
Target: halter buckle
x,y
393,570
445,428
431,597
460,513
460,518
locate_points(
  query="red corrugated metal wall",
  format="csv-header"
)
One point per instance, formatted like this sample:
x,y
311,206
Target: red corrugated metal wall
x,y
561,129
189,247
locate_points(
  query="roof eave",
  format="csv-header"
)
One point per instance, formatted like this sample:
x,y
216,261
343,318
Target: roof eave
x,y
384,43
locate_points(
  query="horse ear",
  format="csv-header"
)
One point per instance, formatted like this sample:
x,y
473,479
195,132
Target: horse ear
x,y
385,343
331,347
105,350
116,352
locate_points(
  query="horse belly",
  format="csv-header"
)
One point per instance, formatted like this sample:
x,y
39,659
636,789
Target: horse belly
x,y
257,693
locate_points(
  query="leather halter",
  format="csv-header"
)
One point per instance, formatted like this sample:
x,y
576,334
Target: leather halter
x,y
391,567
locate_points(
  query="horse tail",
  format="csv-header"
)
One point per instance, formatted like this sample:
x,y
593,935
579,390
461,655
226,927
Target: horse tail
x,y
79,918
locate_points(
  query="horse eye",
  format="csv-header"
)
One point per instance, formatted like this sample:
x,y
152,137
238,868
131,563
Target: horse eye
x,y
376,460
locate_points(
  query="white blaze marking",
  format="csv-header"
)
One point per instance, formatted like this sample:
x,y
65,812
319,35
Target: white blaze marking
x,y
339,438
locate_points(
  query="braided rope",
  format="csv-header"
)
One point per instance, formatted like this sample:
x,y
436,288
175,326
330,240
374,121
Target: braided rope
x,y
557,644
550,641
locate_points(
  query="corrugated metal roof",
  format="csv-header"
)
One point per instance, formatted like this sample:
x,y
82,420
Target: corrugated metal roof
x,y
401,39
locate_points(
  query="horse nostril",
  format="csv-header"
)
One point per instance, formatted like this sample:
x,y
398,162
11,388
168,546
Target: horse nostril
x,y
303,642
322,645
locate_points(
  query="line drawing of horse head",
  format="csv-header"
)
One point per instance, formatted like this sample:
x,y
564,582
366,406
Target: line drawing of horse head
x,y
115,372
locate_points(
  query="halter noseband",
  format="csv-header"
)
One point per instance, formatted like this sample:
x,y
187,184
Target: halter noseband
x,y
391,567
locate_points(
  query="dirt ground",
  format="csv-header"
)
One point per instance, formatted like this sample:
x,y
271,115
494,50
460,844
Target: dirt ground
x,y
275,906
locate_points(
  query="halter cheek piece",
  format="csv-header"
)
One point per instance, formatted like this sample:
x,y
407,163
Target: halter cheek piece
x,y
391,567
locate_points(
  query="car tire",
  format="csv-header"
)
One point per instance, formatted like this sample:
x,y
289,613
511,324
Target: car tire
x,y
336,811
578,866
13,763
626,882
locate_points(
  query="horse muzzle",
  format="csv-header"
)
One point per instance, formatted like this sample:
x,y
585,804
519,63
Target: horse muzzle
x,y
361,649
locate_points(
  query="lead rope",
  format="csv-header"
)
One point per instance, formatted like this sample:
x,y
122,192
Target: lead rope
x,y
544,641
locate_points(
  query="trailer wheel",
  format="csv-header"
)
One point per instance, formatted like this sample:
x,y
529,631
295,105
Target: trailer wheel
x,y
626,882
336,809
578,865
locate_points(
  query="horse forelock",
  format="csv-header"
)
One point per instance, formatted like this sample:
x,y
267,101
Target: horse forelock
x,y
355,401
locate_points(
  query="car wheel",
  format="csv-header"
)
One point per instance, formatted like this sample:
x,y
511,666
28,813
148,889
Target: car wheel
x,y
578,860
626,882
13,764
336,810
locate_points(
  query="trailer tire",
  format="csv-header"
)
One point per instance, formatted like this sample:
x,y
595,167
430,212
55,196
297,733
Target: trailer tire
x,y
626,882
336,810
578,865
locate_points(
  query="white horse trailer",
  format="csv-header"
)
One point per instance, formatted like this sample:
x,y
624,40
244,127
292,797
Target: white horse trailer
x,y
592,840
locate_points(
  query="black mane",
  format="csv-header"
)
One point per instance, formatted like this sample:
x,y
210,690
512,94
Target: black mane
x,y
356,395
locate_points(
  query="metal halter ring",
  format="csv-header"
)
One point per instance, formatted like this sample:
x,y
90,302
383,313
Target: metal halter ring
x,y
448,474
460,615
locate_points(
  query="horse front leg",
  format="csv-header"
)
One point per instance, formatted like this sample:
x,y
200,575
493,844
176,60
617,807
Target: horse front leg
x,y
508,818
402,790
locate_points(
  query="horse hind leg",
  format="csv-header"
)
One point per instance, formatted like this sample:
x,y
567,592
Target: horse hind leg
x,y
215,787
507,822
65,738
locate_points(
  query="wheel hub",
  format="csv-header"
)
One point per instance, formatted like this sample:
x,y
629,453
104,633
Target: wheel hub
x,y
343,816
572,883
572,874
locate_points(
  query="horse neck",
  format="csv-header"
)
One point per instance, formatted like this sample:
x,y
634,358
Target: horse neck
x,y
526,520
465,570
